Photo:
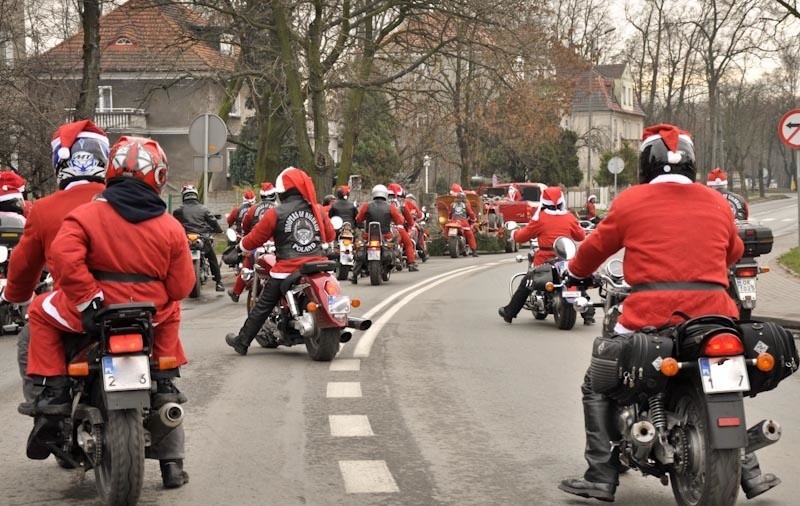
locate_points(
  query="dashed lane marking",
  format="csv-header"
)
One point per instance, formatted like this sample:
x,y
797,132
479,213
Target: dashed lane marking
x,y
346,364
350,426
787,219
344,389
367,477
768,219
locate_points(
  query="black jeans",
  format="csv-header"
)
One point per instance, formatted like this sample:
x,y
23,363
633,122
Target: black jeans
x,y
517,301
270,295
208,251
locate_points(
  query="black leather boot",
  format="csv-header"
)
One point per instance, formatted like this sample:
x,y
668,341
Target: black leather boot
x,y
753,482
234,341
52,397
590,490
172,473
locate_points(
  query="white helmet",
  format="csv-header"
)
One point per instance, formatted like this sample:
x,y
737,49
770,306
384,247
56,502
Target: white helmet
x,y
592,198
380,191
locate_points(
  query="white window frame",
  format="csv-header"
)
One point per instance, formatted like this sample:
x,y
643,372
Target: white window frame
x,y
236,107
101,103
228,156
226,44
7,45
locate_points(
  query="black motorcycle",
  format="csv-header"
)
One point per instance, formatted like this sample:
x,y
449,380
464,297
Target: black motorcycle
x,y
378,257
202,269
613,291
12,316
743,275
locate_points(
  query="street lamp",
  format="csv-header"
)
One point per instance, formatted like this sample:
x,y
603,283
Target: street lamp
x,y
592,38
426,163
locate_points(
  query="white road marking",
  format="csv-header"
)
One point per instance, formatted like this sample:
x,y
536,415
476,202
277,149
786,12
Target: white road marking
x,y
366,341
768,219
786,219
367,477
346,364
350,426
344,389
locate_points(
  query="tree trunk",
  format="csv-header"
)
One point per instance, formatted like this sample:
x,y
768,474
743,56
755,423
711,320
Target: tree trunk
x,y
90,21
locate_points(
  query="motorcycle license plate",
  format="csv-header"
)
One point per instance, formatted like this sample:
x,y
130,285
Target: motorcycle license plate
x,y
195,254
346,259
452,231
129,372
571,294
373,254
746,288
339,304
723,374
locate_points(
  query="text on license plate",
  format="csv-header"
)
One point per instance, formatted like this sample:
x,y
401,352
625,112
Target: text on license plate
x,y
128,372
746,286
723,374
452,231
346,259
571,294
373,254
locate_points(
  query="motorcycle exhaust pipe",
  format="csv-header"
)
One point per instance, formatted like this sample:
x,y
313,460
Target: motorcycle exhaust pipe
x,y
764,433
358,323
171,414
643,435
581,304
345,337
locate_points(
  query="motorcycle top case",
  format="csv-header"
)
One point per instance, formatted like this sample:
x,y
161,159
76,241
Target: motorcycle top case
x,y
627,367
541,275
757,239
761,337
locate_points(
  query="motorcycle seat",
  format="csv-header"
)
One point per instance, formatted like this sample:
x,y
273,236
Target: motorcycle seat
x,y
314,267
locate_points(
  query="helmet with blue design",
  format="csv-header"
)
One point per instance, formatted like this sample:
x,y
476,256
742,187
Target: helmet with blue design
x,y
80,151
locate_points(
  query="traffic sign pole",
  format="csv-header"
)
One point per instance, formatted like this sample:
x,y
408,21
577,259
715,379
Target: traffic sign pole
x,y
788,130
205,161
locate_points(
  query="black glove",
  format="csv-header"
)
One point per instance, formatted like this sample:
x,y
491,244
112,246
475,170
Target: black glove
x,y
88,315
572,280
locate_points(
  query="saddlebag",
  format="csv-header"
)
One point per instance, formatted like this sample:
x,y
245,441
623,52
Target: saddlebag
x,y
766,337
627,367
541,275
231,255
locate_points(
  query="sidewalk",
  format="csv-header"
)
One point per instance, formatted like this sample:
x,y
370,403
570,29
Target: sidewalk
x,y
778,290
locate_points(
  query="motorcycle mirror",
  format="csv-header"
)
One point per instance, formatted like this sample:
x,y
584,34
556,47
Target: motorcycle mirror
x,y
510,225
231,235
614,268
3,254
565,248
519,259
337,222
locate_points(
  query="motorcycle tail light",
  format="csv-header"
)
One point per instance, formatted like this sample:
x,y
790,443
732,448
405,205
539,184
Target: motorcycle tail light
x,y
390,244
125,343
311,307
347,242
192,237
723,345
78,369
165,363
332,288
374,244
729,421
765,362
746,272
355,302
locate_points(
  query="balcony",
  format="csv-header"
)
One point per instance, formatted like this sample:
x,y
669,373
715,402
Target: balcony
x,y
117,120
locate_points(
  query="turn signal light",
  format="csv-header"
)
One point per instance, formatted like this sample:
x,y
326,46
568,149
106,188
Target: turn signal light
x,y
165,363
355,302
311,307
192,237
669,367
549,286
746,272
723,345
125,343
765,362
374,244
763,269
78,369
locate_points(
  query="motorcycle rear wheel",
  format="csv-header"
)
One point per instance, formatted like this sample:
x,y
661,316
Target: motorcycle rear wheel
x,y
323,345
343,272
564,314
197,281
452,246
719,471
120,473
374,267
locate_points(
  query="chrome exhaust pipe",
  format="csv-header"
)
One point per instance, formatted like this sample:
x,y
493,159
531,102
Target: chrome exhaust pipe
x,y
764,433
358,323
581,304
643,435
171,414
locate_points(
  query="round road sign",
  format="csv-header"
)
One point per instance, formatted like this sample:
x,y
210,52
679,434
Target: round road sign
x,y
615,165
789,129
217,134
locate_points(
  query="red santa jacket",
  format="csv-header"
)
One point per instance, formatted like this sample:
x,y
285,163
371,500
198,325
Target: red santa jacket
x,y
95,238
671,232
265,230
408,214
44,220
591,212
231,218
547,229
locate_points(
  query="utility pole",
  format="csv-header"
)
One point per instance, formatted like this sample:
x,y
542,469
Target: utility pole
x,y
592,38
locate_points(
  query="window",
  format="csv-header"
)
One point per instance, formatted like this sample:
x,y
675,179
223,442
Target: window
x,y
236,107
6,49
228,157
226,44
104,101
124,41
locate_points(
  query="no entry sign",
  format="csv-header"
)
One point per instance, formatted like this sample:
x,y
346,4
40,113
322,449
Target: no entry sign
x,y
789,129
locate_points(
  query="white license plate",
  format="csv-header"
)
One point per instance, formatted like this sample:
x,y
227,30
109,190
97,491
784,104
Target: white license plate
x,y
571,294
128,372
195,254
373,254
452,231
346,259
746,287
339,304
723,374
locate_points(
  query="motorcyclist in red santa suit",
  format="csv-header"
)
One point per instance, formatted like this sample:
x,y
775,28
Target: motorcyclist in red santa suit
x,y
80,156
395,191
551,220
462,212
251,219
718,180
91,273
679,240
299,227
236,215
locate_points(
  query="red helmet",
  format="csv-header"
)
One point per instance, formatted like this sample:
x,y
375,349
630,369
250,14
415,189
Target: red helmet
x,y
249,196
139,158
342,192
396,189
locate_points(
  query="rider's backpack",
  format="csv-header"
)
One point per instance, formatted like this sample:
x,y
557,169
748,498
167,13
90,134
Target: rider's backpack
x,y
761,337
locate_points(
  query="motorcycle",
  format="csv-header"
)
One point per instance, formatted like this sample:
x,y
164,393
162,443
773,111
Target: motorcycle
x,y
344,251
613,291
232,256
743,275
312,311
114,413
379,256
678,395
202,270
420,238
549,293
12,316
456,240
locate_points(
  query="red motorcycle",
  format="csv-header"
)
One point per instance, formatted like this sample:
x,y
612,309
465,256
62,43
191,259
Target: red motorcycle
x,y
312,311
456,240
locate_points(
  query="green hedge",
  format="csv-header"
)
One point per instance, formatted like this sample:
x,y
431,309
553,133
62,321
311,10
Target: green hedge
x,y
486,244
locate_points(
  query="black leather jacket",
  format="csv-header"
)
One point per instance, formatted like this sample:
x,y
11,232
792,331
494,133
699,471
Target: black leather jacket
x,y
344,209
197,218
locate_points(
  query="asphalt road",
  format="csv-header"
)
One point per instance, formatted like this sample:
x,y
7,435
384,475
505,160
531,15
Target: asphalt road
x,y
441,403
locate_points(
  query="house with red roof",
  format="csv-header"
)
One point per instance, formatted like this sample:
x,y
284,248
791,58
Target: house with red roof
x,y
161,65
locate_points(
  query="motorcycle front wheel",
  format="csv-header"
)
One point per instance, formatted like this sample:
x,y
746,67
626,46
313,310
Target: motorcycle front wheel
x,y
120,473
564,314
343,272
324,344
197,282
704,475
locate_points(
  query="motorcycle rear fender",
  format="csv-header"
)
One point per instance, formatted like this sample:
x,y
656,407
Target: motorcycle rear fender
x,y
127,400
729,405
316,293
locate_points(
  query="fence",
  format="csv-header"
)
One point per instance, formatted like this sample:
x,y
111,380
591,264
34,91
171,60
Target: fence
x,y
576,198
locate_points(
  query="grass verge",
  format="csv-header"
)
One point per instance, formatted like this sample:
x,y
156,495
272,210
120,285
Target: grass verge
x,y
791,260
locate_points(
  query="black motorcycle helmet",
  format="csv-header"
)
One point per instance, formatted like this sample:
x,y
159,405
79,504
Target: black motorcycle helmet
x,y
328,199
666,150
